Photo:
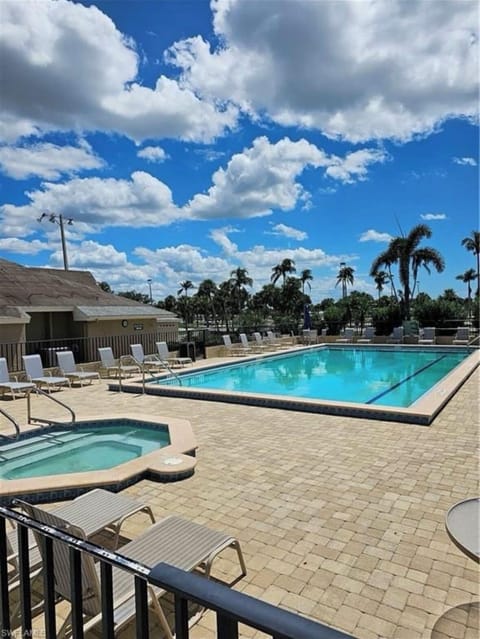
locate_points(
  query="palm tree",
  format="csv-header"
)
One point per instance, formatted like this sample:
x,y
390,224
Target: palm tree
x,y
305,278
472,243
405,252
281,270
345,276
239,279
185,287
469,276
206,292
381,278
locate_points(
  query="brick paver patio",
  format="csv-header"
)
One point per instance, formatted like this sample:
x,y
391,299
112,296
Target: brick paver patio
x,y
340,519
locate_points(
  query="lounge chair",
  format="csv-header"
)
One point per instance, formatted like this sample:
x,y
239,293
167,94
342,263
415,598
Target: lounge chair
x,y
96,511
346,336
151,363
367,335
235,349
462,335
397,336
171,360
173,540
14,387
309,336
68,368
252,347
427,336
35,373
272,341
117,367
260,344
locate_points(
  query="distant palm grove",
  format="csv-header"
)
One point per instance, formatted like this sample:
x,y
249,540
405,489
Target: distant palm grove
x,y
230,305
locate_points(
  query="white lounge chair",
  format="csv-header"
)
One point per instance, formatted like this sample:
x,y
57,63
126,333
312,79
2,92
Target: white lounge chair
x,y
260,344
235,349
397,336
151,363
427,336
462,335
272,341
35,373
309,336
68,368
14,387
346,336
117,367
367,335
171,360
173,540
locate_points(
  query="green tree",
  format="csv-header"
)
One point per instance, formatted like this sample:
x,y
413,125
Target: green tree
x,y
281,270
472,243
136,296
206,295
239,279
381,279
469,276
305,278
185,286
406,252
105,286
345,276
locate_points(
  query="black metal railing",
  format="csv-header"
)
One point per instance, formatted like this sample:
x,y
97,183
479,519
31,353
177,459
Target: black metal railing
x,y
230,607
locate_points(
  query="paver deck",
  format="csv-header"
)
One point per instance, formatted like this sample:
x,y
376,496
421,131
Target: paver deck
x,y
340,519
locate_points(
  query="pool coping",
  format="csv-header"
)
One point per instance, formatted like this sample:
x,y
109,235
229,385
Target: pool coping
x,y
156,465
422,412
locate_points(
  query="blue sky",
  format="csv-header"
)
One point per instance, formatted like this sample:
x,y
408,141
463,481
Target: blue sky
x,y
188,138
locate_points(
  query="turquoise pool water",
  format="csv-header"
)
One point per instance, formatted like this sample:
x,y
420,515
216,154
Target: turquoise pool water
x,y
88,446
383,377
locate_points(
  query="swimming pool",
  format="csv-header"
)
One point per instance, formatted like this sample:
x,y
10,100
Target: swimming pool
x,y
403,383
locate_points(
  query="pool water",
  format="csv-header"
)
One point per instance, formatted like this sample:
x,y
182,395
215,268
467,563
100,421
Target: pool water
x,y
383,377
88,446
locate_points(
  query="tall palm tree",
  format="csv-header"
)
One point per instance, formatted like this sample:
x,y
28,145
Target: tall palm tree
x,y
405,252
206,292
239,279
281,270
345,276
472,243
305,278
381,278
185,286
469,276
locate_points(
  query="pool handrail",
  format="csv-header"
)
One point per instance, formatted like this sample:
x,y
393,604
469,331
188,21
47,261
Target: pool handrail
x,y
48,422
14,422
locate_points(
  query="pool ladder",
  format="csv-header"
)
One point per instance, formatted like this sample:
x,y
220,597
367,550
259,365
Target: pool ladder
x,y
145,371
43,421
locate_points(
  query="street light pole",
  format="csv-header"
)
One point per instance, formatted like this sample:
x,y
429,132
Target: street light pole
x,y
150,289
58,219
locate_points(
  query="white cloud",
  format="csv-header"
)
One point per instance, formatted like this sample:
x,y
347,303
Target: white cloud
x,y
264,177
465,161
40,44
341,67
288,231
48,161
153,154
375,236
16,245
433,216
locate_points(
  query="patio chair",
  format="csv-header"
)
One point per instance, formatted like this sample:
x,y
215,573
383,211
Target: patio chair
x,y
96,511
367,335
309,336
397,335
151,363
272,341
14,387
427,336
173,540
462,335
252,347
35,373
261,344
171,360
68,368
347,336
235,349
117,367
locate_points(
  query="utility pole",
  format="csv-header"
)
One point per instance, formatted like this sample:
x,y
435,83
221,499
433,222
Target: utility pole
x,y
58,219
150,289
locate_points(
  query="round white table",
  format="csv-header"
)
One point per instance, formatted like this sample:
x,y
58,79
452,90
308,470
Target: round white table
x,y
463,526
